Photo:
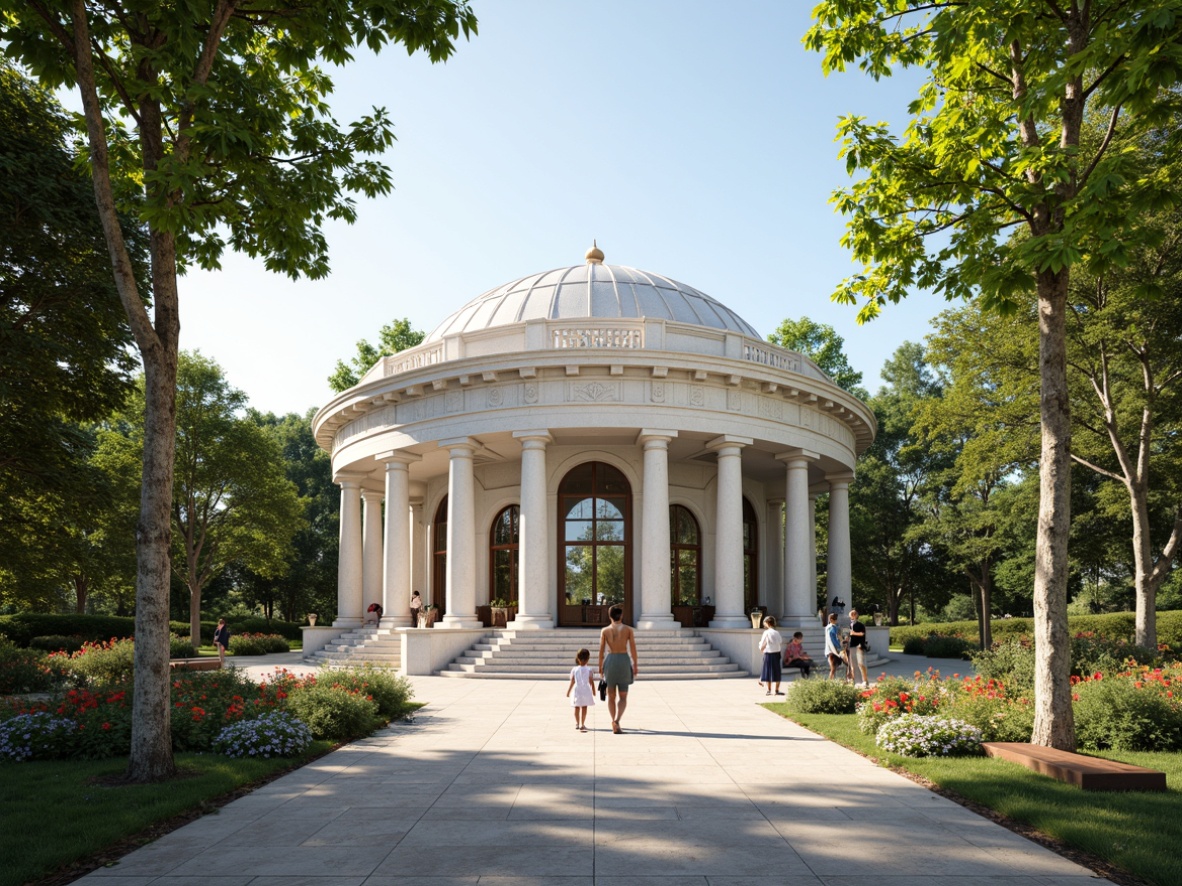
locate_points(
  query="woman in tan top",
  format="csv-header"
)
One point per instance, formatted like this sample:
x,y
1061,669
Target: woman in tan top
x,y
618,663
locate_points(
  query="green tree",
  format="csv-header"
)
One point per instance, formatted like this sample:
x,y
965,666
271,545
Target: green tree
x,y
395,337
895,562
63,342
309,581
821,344
232,502
982,425
209,122
995,142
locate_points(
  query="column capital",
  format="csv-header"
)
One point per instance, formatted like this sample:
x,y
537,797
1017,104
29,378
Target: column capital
x,y
790,456
372,494
840,478
655,435
540,435
460,444
395,457
720,443
349,479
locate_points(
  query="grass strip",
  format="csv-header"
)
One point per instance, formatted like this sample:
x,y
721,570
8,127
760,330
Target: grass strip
x,y
1138,832
58,813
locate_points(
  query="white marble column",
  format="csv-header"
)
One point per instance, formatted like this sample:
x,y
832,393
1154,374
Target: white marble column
x,y
349,568
798,596
656,601
461,535
533,545
419,569
728,554
775,556
838,567
396,572
371,550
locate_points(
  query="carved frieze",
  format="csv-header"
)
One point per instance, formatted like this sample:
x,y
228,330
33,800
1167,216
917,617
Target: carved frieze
x,y
594,392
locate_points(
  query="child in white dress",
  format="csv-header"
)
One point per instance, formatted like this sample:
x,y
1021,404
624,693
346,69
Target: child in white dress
x,y
580,682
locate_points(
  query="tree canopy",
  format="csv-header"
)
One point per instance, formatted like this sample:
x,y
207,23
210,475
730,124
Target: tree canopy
x,y
209,125
995,143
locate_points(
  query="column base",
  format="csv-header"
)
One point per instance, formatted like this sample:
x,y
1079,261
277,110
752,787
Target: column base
x,y
397,621
531,623
347,621
459,621
658,623
731,621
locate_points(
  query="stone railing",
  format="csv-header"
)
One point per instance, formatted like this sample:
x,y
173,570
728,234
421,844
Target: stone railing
x,y
622,334
582,336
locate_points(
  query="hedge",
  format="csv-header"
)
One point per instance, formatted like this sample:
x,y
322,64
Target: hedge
x,y
22,627
1114,625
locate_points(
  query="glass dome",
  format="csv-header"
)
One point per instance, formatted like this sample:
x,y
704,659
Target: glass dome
x,y
591,291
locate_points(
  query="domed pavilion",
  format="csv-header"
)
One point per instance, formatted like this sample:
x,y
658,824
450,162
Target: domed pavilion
x,y
588,436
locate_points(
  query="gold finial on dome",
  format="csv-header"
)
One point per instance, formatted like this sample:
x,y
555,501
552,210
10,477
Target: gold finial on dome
x,y
594,255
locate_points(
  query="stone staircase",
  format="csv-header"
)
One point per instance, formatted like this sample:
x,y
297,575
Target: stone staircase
x,y
381,647
539,655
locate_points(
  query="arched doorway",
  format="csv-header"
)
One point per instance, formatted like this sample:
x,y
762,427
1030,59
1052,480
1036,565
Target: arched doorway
x,y
439,557
686,557
595,551
750,557
503,540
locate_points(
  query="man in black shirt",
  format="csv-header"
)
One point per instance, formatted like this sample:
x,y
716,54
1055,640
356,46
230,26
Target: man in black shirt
x,y
858,646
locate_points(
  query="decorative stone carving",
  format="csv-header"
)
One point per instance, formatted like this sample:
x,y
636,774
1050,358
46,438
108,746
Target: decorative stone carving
x,y
594,392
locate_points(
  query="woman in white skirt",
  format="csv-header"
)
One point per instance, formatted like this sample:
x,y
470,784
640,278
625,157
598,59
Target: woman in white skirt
x,y
771,644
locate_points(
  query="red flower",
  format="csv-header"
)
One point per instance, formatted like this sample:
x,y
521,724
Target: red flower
x,y
106,726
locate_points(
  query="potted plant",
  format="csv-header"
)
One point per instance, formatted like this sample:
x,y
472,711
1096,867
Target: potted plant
x,y
427,615
503,612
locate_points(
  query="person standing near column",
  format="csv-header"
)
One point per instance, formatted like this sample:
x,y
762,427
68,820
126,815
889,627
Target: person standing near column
x,y
618,664
858,647
416,607
771,644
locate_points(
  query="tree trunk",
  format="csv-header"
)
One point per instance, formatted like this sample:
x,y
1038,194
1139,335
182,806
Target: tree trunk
x,y
1054,723
81,589
987,604
194,612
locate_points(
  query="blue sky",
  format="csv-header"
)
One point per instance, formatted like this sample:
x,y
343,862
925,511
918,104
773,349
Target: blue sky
x,y
691,139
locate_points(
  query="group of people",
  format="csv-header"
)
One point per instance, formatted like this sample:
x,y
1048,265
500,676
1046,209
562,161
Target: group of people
x,y
777,656
375,610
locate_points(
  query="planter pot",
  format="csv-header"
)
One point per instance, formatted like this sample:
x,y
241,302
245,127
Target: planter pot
x,y
427,618
312,619
757,620
878,619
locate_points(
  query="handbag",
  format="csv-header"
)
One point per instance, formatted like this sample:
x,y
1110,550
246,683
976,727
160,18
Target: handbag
x,y
603,690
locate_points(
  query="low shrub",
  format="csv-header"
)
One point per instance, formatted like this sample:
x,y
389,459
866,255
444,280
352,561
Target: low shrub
x,y
274,734
57,643
180,647
27,670
334,714
893,697
1010,663
999,718
914,645
34,736
912,735
257,644
101,663
22,627
817,696
947,647
390,692
1118,714
1092,653
205,702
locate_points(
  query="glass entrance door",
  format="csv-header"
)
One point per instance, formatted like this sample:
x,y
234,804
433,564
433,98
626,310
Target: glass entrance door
x,y
594,532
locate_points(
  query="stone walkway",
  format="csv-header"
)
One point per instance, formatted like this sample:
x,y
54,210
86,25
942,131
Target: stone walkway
x,y
492,785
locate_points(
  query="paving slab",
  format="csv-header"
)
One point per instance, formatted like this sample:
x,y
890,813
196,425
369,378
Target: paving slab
x,y
492,786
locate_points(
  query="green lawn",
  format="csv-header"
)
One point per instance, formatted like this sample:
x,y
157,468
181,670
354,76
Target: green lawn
x,y
75,817
1138,832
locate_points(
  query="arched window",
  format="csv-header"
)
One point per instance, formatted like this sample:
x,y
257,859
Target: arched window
x,y
439,556
502,555
594,532
685,556
750,557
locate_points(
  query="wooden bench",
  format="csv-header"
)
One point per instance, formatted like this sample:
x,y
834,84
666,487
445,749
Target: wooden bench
x,y
1089,773
195,664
